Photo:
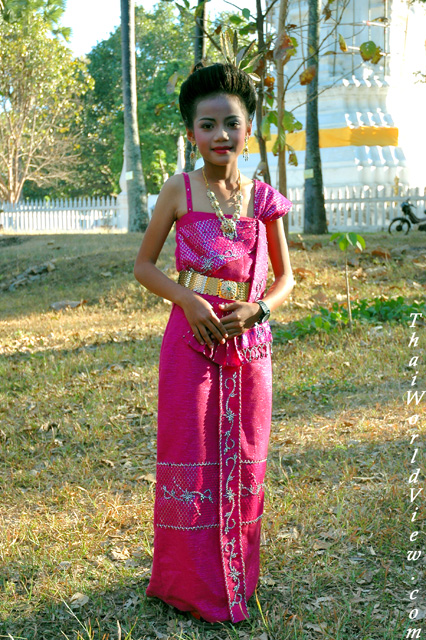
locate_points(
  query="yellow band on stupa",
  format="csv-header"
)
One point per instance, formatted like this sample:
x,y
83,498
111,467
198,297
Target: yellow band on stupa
x,y
343,137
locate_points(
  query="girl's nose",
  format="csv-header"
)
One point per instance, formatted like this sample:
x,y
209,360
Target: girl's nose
x,y
221,134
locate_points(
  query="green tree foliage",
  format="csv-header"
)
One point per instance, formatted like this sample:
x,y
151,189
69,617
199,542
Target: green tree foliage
x,y
163,43
41,86
51,11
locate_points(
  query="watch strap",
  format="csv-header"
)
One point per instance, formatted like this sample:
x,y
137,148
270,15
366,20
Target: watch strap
x,y
265,310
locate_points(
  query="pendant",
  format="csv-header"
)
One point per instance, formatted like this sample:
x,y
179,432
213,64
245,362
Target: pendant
x,y
229,228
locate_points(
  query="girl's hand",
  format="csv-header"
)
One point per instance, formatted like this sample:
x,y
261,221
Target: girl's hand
x,y
205,324
242,316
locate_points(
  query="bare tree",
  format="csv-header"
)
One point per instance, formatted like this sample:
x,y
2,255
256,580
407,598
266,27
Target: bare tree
x,y
136,191
41,89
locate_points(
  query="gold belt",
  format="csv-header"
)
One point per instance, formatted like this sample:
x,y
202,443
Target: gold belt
x,y
228,289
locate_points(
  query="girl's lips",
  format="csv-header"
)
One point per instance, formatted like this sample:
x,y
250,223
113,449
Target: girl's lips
x,y
221,149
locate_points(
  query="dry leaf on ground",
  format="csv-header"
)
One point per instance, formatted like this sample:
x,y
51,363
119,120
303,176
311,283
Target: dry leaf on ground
x,y
302,272
67,304
381,253
319,297
120,553
296,245
79,600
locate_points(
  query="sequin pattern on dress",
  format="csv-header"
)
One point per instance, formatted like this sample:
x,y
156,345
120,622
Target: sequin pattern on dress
x,y
270,202
201,246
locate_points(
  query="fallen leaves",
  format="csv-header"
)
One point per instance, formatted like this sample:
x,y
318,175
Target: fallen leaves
x,y
108,463
31,274
376,272
67,304
296,245
420,262
148,477
320,297
120,553
302,272
78,600
381,253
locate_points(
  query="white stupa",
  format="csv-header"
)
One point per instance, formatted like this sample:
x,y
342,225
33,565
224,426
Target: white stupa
x,y
371,116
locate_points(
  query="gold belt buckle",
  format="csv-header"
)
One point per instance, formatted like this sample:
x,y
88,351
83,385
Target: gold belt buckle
x,y
228,289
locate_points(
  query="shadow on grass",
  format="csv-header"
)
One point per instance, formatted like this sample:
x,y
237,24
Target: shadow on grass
x,y
344,569
20,356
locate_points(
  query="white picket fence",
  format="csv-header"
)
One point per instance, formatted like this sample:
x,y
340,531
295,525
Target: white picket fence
x,y
349,209
55,216
358,208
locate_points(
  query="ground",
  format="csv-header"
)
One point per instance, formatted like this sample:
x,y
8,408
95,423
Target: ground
x,y
77,448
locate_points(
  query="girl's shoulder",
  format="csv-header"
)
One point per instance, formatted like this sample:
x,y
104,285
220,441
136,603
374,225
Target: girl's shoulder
x,y
269,204
171,199
174,183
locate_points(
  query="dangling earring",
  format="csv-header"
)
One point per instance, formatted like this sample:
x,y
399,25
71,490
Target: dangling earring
x,y
246,149
193,154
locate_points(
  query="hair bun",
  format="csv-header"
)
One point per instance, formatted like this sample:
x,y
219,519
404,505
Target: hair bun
x,y
218,78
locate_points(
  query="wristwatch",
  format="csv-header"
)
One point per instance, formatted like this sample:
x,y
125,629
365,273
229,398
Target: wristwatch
x,y
266,312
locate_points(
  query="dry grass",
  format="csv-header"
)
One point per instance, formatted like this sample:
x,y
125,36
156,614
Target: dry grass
x,y
77,437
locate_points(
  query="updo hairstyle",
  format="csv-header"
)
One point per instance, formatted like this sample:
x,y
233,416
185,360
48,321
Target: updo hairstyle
x,y
215,79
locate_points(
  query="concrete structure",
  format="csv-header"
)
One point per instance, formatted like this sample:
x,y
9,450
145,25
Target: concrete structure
x,y
375,112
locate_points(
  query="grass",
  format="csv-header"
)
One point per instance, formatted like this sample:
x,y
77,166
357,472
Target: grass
x,y
77,451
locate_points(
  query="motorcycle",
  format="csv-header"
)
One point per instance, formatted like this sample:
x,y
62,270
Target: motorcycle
x,y
404,223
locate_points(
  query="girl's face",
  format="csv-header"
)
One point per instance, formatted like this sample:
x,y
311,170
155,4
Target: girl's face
x,y
219,129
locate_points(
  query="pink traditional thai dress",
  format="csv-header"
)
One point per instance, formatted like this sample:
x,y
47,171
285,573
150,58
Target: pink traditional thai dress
x,y
214,418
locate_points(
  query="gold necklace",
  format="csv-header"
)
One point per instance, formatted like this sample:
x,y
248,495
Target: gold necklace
x,y
228,225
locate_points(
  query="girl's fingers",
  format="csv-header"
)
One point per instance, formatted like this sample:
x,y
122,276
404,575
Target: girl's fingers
x,y
231,322
197,335
215,331
234,333
219,325
234,330
227,320
228,306
206,336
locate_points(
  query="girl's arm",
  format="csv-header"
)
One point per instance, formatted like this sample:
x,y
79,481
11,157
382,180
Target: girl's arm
x,y
280,260
244,314
198,311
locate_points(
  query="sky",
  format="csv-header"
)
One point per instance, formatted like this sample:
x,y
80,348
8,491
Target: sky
x,y
93,20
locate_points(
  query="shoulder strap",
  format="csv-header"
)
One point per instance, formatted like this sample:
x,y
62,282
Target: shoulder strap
x,y
188,192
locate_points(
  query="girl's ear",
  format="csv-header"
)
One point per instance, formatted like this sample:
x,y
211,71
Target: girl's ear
x,y
190,135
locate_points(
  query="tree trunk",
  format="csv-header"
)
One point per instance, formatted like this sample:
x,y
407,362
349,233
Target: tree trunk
x,y
200,38
282,169
260,21
315,217
199,55
136,190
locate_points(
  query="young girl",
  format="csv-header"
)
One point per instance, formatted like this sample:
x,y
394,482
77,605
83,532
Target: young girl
x,y
215,387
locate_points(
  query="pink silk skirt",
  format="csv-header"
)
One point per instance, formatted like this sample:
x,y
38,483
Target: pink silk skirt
x,y
213,432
